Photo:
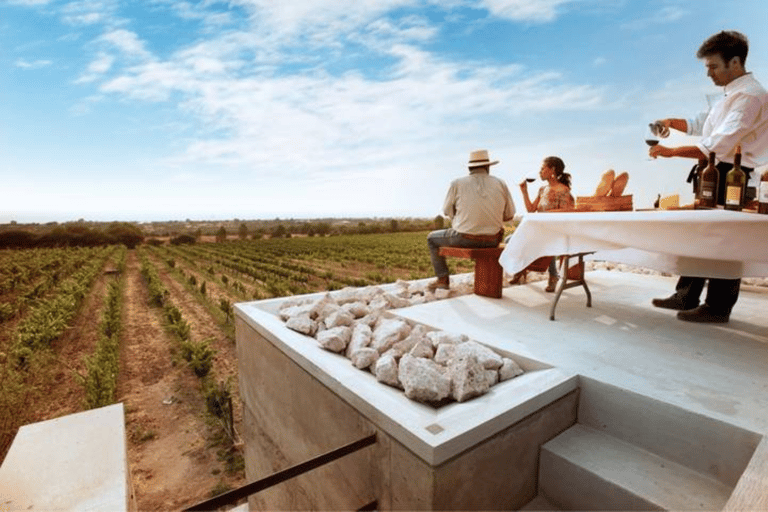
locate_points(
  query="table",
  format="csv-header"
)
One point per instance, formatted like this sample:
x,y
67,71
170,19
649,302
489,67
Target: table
x,y
704,243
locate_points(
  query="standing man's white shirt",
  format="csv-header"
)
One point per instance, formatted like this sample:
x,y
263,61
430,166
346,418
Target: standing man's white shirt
x,y
739,117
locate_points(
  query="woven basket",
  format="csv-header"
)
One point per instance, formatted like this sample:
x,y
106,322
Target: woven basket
x,y
603,204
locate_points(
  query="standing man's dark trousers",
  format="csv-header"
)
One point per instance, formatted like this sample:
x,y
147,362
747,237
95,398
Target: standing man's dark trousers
x,y
722,294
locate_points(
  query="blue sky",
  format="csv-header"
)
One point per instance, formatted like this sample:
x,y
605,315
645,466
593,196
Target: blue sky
x,y
256,109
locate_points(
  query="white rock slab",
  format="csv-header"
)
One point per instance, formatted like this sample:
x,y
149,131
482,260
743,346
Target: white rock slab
x,y
469,378
484,355
389,331
335,339
385,369
302,323
423,379
509,369
363,358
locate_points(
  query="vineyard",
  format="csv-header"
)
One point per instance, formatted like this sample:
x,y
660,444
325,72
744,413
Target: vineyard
x,y
152,327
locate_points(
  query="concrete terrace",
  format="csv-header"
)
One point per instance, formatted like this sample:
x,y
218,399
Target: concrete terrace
x,y
624,407
717,370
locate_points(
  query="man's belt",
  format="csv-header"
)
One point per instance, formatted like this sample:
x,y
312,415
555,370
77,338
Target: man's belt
x,y
485,238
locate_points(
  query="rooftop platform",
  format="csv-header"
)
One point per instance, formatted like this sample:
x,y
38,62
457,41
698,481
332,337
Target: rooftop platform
x,y
617,399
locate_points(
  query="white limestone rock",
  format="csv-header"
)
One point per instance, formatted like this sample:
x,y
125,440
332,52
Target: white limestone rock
x,y
469,378
389,331
335,339
484,355
323,307
403,289
509,369
295,310
438,337
415,300
395,302
337,318
346,295
357,309
302,323
385,370
379,303
364,357
369,293
422,348
415,336
441,294
371,319
464,288
361,337
444,353
423,379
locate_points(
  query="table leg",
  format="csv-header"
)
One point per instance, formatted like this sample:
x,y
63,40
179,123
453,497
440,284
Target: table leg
x,y
563,283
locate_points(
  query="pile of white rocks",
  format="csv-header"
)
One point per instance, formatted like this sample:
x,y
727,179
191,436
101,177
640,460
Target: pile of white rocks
x,y
429,366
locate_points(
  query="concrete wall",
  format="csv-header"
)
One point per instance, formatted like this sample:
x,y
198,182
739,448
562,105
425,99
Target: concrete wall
x,y
290,417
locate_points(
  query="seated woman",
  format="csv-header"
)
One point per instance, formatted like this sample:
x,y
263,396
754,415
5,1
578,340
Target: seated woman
x,y
555,195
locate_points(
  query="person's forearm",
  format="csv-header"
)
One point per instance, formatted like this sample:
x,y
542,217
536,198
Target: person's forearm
x,y
526,199
681,151
680,125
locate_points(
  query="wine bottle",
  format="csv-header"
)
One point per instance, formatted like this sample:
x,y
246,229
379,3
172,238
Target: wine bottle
x,y
762,196
735,183
708,182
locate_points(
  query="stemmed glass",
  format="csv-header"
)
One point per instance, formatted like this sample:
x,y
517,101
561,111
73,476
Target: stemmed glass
x,y
651,138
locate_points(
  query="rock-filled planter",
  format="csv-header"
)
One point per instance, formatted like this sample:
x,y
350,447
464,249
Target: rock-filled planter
x,y
430,366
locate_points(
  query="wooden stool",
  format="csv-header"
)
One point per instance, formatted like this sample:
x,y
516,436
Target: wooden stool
x,y
488,271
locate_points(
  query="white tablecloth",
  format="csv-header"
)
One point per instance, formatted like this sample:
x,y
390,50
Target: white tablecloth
x,y
706,243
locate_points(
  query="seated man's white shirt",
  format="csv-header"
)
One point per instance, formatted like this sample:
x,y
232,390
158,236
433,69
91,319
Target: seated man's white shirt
x,y
478,204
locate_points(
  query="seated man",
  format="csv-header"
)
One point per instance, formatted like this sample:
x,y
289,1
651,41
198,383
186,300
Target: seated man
x,y
478,205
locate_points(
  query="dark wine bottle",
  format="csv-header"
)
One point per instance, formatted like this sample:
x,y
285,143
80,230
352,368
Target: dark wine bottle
x,y
708,181
762,195
735,183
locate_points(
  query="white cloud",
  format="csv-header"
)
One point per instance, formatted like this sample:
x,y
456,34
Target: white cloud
x,y
88,12
526,10
663,16
35,64
100,65
28,3
127,42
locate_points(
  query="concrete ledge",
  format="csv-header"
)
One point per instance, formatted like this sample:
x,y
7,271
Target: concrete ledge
x,y
76,462
435,435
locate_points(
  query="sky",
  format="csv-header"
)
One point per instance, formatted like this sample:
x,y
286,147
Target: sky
x,y
141,110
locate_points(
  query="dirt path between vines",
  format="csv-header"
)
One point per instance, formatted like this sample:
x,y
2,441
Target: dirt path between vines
x,y
172,462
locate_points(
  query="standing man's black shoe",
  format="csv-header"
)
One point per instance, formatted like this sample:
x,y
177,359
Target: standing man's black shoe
x,y
674,302
703,314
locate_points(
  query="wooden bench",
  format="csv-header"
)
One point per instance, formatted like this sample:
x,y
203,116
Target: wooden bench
x,y
488,271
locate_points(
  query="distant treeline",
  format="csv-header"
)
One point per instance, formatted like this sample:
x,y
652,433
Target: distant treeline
x,y
85,234
75,235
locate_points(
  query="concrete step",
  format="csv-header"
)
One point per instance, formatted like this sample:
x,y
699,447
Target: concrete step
x,y
585,469
540,503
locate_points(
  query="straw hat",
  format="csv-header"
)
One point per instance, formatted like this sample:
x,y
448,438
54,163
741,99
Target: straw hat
x,y
480,158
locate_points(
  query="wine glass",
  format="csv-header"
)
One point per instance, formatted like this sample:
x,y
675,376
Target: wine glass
x,y
651,137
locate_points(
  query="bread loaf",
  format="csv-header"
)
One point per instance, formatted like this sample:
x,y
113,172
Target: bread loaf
x,y
618,185
606,183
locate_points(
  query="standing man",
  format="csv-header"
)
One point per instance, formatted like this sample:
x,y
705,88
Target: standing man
x,y
739,117
478,205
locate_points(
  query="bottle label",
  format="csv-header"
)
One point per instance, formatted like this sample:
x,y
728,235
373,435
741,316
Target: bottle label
x,y
733,196
706,193
763,196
